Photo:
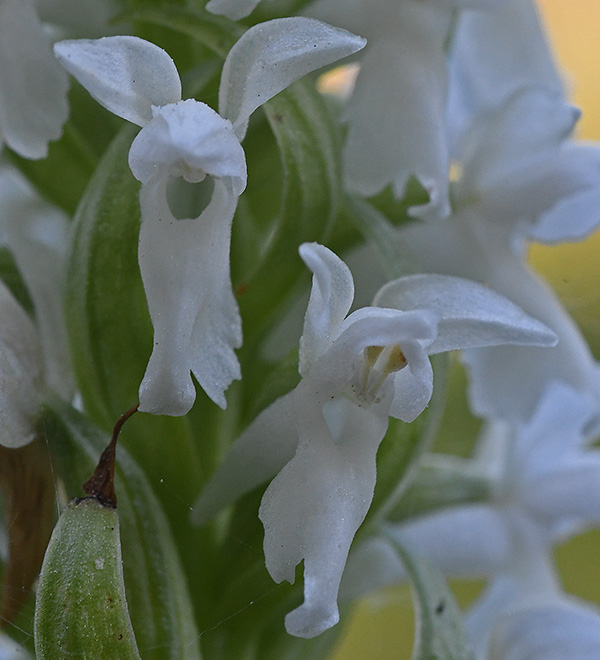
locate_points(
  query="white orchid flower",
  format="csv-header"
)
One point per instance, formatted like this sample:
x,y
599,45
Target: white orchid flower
x,y
184,260
33,86
521,177
321,439
543,488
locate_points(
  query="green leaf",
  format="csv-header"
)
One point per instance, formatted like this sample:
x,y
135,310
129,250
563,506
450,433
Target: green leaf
x,y
109,325
308,142
214,32
440,633
110,331
81,608
10,275
157,591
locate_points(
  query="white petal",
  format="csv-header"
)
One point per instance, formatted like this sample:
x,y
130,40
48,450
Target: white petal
x,y
10,650
469,246
472,540
515,141
330,299
368,326
271,56
471,314
570,491
557,631
313,508
36,234
413,385
127,75
372,565
185,270
233,9
20,373
494,53
396,121
256,456
576,197
33,87
188,139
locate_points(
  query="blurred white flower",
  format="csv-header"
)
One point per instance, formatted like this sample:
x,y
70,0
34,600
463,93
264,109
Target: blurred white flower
x,y
33,353
543,488
33,86
397,112
184,254
21,378
555,630
321,439
521,177
36,234
494,54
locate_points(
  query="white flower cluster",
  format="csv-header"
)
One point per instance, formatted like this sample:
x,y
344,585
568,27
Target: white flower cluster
x,y
461,86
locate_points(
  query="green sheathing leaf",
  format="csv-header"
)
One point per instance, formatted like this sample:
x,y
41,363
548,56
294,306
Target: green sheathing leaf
x,y
214,32
440,633
307,138
157,591
10,275
81,608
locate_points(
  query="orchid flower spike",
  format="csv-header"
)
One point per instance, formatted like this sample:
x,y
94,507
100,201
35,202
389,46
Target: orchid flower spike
x,y
321,439
183,144
33,86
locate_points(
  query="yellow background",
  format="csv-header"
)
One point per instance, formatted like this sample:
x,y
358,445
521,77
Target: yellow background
x,y
381,626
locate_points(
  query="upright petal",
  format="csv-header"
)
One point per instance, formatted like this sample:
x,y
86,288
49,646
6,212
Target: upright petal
x,y
330,299
127,75
313,508
471,314
271,56
33,87
185,270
